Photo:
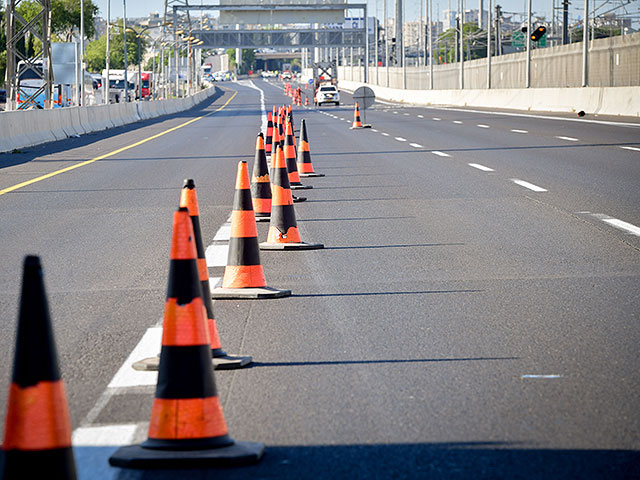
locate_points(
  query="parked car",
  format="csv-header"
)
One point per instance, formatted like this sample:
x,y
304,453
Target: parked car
x,y
3,96
327,94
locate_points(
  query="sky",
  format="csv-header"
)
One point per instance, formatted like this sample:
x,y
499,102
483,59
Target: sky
x,y
141,8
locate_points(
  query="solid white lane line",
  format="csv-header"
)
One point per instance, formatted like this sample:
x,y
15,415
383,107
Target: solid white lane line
x,y
416,145
149,346
223,234
528,185
569,139
437,119
481,167
385,134
457,122
440,154
544,377
614,222
483,126
635,149
515,130
400,139
103,436
216,255
420,116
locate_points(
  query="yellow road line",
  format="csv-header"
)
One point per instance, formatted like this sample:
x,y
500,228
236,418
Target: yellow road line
x,y
110,154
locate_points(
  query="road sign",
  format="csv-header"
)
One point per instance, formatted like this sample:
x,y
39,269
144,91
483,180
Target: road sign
x,y
364,96
310,81
517,39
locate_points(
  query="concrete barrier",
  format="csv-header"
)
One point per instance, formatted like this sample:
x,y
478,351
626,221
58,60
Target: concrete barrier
x,y
623,101
20,129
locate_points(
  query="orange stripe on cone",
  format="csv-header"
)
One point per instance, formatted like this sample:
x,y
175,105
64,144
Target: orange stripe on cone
x,y
243,224
241,276
178,329
37,418
187,418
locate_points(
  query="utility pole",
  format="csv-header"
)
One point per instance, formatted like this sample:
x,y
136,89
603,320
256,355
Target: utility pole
x,y
461,48
498,31
386,40
430,43
528,64
585,45
82,92
565,22
489,25
399,24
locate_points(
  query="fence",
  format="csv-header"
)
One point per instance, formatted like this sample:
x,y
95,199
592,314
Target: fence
x,y
613,62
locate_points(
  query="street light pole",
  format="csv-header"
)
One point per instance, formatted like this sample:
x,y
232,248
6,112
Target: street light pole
x,y
82,92
108,56
124,26
139,69
528,64
585,44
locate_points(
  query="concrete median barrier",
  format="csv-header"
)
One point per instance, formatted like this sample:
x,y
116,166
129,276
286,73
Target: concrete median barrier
x,y
20,129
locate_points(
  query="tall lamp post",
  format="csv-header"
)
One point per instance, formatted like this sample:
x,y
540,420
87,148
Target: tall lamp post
x,y
124,26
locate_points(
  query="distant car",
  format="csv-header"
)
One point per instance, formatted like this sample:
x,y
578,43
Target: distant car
x,y
3,96
327,94
287,76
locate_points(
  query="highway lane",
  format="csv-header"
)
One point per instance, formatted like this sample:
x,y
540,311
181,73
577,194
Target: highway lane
x,y
410,341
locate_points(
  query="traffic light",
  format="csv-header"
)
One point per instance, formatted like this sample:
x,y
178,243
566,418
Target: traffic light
x,y
538,33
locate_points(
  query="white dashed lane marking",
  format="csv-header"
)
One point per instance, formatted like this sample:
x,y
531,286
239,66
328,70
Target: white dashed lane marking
x,y
440,154
519,131
457,122
437,119
620,224
635,149
528,185
400,139
480,125
420,116
385,134
416,145
481,167
569,139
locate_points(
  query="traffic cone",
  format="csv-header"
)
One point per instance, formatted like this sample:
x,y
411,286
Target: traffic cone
x,y
306,101
244,275
356,118
305,167
37,435
290,158
283,229
260,184
269,141
187,427
272,166
276,138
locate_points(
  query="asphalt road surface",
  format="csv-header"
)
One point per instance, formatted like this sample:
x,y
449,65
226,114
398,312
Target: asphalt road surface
x,y
475,313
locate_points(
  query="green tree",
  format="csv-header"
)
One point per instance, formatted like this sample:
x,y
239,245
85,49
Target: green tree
x,y
96,52
473,44
65,16
248,59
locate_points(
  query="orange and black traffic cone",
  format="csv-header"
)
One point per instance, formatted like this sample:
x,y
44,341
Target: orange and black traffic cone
x,y
272,166
356,118
221,361
187,425
260,184
306,101
244,275
37,435
305,167
269,141
290,159
283,229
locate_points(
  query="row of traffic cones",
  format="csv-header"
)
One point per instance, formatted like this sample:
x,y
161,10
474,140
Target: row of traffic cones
x,y
187,426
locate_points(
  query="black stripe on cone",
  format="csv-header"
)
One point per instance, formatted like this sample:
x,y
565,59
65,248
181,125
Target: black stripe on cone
x,y
187,426
244,276
283,229
261,183
305,167
37,440
269,141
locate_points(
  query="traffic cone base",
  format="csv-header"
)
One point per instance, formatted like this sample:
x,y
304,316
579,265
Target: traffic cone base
x,y
138,457
222,362
314,174
298,199
301,187
291,246
249,293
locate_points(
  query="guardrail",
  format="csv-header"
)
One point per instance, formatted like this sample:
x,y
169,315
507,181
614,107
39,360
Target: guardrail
x,y
25,128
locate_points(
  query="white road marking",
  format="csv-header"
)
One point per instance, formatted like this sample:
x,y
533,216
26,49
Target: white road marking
x,y
614,222
546,377
217,255
149,346
406,114
400,139
420,116
223,234
483,126
457,122
635,149
437,119
481,167
416,145
342,118
519,131
215,282
395,113
103,436
569,139
374,130
528,185
385,134
440,154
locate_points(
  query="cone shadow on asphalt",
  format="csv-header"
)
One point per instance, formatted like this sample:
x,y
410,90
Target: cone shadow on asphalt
x,y
435,460
357,294
371,362
396,246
